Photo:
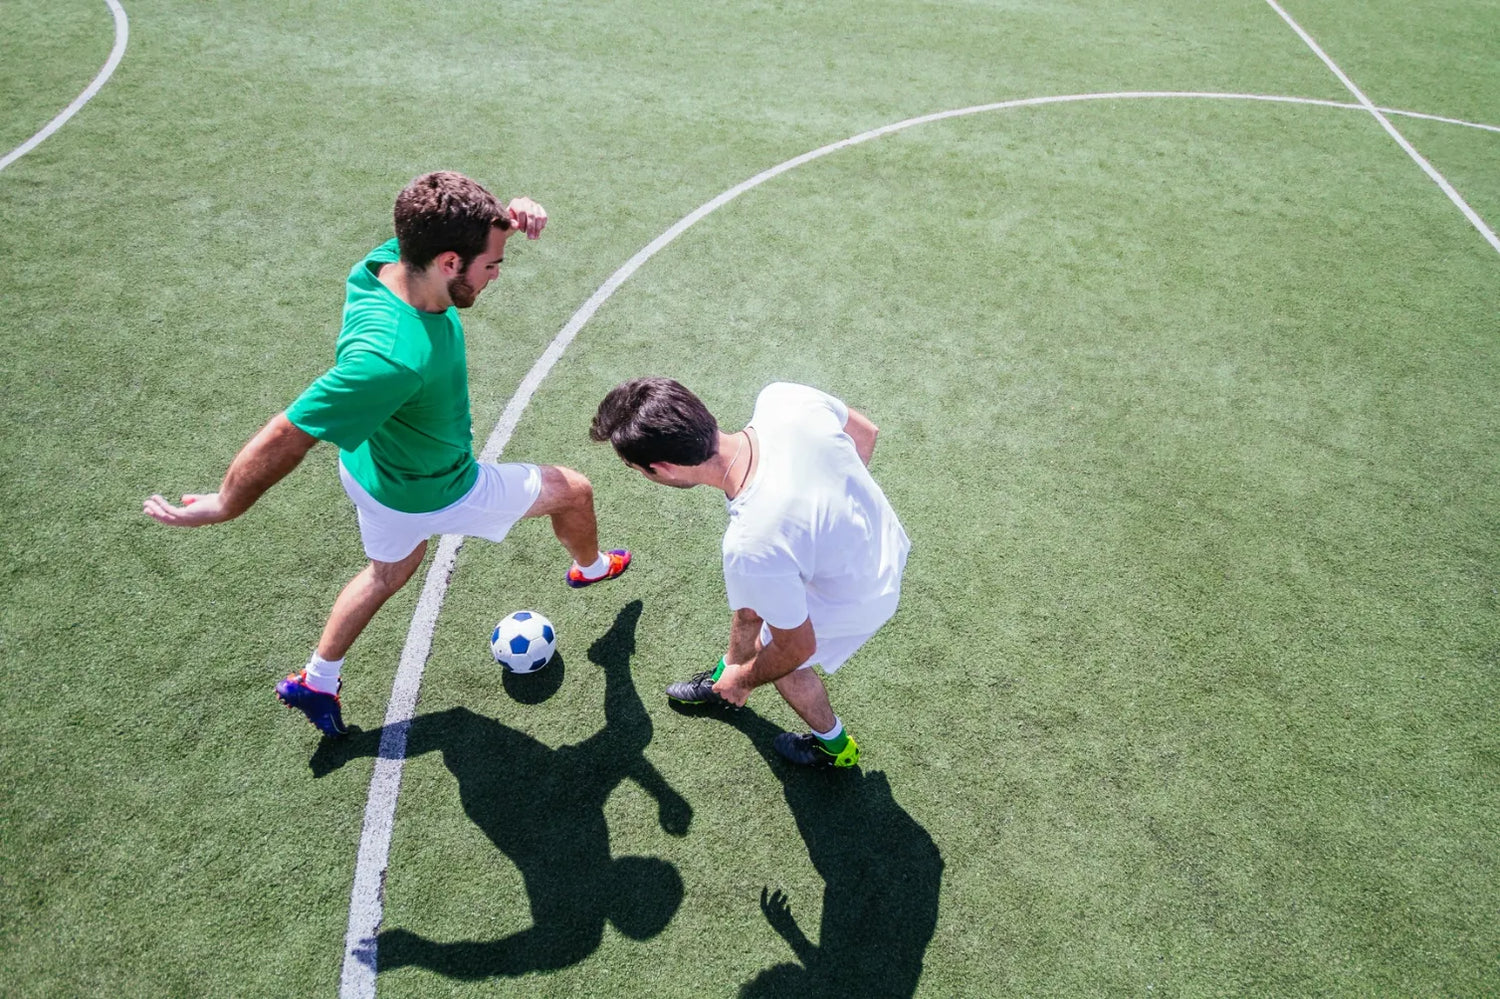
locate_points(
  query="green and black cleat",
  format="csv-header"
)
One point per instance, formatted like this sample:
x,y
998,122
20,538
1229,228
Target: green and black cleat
x,y
804,749
697,691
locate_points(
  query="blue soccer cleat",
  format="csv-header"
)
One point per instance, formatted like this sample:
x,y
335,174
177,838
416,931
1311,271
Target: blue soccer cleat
x,y
323,710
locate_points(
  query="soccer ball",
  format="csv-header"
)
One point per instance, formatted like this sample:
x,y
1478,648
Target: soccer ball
x,y
523,642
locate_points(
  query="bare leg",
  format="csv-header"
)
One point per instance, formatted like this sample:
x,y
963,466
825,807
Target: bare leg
x,y
805,692
568,498
361,598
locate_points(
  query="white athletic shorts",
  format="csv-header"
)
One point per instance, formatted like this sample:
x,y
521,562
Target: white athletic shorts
x,y
501,496
831,653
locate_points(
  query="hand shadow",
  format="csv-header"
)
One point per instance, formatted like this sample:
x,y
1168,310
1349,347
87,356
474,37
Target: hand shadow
x,y
544,809
881,872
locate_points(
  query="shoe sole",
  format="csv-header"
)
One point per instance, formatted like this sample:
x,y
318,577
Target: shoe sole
x,y
703,704
714,701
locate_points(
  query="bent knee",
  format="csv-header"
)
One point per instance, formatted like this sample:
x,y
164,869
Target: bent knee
x,y
562,489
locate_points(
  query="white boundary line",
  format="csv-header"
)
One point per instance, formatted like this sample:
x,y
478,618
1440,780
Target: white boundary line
x,y
1438,117
366,904
1385,123
122,36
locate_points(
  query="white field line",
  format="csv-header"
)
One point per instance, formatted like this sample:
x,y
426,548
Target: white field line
x,y
1438,117
366,905
1385,123
122,36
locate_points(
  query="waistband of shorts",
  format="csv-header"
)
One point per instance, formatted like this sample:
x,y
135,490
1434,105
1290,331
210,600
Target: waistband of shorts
x,y
348,478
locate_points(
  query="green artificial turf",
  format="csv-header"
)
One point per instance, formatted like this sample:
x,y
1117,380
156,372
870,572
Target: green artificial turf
x,y
1187,405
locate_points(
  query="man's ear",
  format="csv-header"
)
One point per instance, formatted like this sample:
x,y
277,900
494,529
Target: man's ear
x,y
449,263
658,469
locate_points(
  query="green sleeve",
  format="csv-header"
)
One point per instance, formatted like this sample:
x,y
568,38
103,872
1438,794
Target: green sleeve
x,y
353,398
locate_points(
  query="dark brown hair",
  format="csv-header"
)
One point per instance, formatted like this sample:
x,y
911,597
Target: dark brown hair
x,y
443,211
656,419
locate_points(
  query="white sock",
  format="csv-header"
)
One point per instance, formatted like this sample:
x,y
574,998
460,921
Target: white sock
x,y
323,674
599,568
833,733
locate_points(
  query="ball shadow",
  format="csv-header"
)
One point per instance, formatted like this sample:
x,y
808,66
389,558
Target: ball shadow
x,y
534,688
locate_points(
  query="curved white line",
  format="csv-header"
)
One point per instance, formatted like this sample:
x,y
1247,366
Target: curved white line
x,y
122,36
366,904
1438,117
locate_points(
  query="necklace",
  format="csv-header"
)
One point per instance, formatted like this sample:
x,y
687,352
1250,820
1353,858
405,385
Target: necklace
x,y
735,460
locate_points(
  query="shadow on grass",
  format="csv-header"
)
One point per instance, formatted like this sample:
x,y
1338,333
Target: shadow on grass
x,y
881,873
544,809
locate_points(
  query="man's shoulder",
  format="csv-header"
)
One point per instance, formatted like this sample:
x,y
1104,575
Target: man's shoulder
x,y
370,325
375,322
779,391
789,402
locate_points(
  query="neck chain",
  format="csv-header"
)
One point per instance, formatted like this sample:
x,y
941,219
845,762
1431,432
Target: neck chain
x,y
741,450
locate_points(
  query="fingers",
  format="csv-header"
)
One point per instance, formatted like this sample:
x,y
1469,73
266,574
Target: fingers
x,y
531,225
159,509
731,692
774,903
528,216
731,686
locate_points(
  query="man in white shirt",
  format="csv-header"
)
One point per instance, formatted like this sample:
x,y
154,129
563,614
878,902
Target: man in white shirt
x,y
813,554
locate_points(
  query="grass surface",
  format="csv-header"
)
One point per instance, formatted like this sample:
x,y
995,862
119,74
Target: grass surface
x,y
1187,405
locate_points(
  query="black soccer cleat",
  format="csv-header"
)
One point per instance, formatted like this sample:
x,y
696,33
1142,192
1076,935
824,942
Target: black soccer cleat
x,y
698,690
805,750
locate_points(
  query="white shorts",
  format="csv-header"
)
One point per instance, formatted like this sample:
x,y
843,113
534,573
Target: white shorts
x,y
501,496
831,653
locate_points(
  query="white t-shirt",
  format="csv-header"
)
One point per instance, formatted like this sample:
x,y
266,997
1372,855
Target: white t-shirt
x,y
812,535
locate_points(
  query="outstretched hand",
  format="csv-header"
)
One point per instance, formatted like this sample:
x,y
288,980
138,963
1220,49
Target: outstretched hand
x,y
196,510
527,216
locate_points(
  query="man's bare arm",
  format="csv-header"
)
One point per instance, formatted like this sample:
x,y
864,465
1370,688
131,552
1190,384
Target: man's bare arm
x,y
264,461
787,650
863,432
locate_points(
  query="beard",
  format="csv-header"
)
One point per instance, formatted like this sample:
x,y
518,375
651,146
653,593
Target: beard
x,y
462,292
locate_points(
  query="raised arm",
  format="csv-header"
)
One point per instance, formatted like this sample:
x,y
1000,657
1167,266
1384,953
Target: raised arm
x,y
863,431
263,462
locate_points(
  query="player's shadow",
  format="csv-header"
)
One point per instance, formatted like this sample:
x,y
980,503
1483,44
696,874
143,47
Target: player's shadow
x,y
881,873
544,809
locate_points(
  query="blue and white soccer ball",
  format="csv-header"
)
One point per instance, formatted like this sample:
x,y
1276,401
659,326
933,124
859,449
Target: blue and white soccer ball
x,y
523,642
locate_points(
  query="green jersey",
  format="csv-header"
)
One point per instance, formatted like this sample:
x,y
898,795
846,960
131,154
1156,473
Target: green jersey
x,y
396,401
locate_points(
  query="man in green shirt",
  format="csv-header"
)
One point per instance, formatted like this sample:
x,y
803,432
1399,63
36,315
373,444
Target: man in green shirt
x,y
396,403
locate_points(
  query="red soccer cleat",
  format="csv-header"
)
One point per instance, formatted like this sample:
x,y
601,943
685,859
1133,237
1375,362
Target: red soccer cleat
x,y
619,561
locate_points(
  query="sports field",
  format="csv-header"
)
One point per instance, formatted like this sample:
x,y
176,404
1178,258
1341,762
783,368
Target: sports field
x,y
1186,370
